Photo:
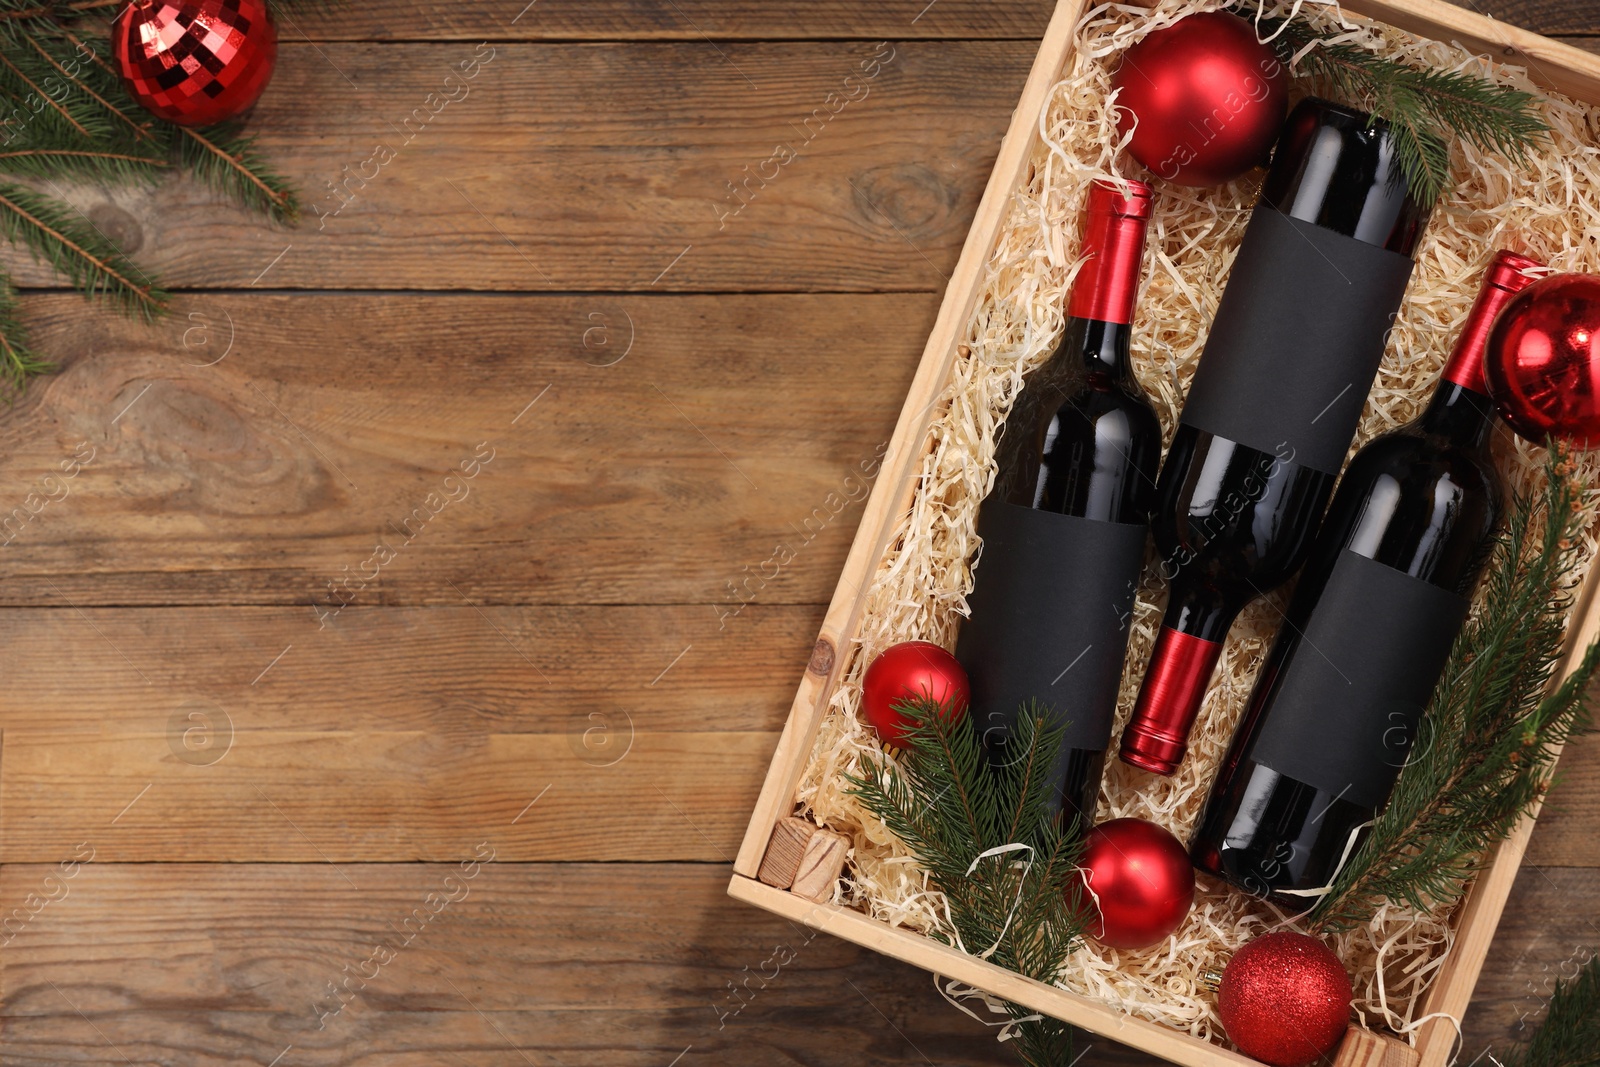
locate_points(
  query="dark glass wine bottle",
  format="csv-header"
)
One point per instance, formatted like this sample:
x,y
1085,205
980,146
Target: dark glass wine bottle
x,y
1275,400
1335,711
1065,526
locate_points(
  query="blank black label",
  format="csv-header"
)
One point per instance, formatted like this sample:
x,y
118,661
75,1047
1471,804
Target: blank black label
x,y
1050,615
1297,340
1351,694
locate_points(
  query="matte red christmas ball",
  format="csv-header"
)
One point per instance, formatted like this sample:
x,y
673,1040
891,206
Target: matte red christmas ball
x,y
195,62
1285,999
1209,98
907,671
1139,883
1544,360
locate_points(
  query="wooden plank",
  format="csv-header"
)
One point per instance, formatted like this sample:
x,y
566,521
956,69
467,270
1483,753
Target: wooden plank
x,y
672,476
584,671
639,166
682,20
281,796
1547,930
699,20
572,963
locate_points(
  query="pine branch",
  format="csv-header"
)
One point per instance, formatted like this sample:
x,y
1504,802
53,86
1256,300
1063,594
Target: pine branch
x,y
25,87
54,162
77,251
1424,108
70,69
229,162
18,360
1018,909
1569,1036
1493,729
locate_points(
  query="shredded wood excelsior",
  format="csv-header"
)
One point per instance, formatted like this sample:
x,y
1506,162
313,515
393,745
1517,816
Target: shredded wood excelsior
x,y
1546,208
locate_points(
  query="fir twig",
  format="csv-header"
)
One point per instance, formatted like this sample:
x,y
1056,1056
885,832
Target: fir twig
x,y
18,361
1569,1035
1424,108
1493,729
1018,909
229,162
76,250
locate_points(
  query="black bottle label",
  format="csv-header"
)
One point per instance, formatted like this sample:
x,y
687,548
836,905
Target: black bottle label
x,y
1051,608
1297,340
1347,701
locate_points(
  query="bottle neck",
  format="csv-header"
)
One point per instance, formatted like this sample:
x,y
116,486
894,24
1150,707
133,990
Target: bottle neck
x,y
1460,409
1101,350
1465,416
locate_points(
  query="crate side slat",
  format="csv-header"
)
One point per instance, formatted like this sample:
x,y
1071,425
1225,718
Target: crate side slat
x,y
891,497
930,955
1554,65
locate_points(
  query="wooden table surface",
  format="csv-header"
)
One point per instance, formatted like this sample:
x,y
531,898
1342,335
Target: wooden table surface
x,y
392,596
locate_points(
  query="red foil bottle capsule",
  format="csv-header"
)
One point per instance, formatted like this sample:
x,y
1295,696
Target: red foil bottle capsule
x,y
1113,239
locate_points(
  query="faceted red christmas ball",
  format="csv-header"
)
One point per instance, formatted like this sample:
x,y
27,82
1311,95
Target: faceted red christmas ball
x,y
195,62
1209,98
907,671
1543,361
1285,999
1138,883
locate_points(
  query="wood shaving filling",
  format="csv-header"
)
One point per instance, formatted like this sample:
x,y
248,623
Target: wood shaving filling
x,y
1544,208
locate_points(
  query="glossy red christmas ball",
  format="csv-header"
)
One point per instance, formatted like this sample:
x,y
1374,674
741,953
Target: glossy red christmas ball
x,y
1285,999
1208,96
1543,361
195,62
1139,883
907,671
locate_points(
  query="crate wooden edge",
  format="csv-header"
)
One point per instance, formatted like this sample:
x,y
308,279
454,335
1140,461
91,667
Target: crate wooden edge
x,y
1552,64
930,955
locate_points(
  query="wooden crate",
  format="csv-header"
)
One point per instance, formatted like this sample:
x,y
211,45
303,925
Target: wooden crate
x,y
1555,66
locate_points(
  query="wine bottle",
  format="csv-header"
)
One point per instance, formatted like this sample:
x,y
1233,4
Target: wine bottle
x,y
1275,400
1336,709
1065,526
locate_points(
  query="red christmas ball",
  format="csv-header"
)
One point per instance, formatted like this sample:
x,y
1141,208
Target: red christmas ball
x,y
1285,999
1138,881
908,671
1543,362
195,62
1208,96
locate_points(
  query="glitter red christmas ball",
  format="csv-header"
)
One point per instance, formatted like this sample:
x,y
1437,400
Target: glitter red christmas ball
x,y
1138,883
195,62
1543,362
1209,98
908,671
1285,999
